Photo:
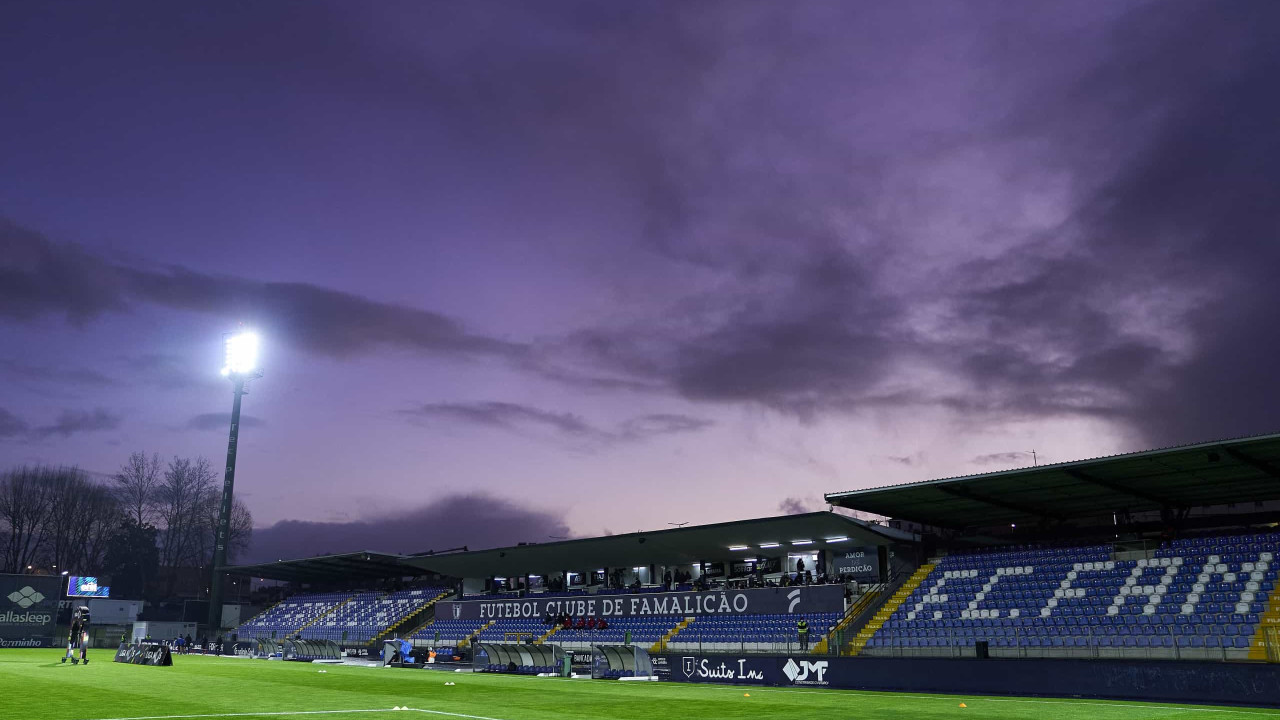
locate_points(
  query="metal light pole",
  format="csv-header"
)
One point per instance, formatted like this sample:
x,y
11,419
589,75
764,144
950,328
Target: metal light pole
x,y
242,361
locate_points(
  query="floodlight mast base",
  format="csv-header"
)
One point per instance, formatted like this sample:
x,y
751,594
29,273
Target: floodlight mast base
x,y
224,510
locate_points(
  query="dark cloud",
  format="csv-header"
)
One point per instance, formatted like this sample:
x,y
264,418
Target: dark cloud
x,y
821,341
40,278
1198,207
797,506
221,421
1010,214
662,424
505,415
823,347
73,422
474,520
11,425
1003,458
519,418
908,460
68,423
1152,315
1134,291
55,374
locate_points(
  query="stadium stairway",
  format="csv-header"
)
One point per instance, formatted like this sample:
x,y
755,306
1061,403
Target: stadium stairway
x,y
855,610
891,605
661,645
413,622
331,611
547,635
1269,619
470,639
451,632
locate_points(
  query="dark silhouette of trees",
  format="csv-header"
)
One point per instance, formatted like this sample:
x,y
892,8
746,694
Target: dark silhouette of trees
x,y
80,518
151,524
132,558
25,505
136,485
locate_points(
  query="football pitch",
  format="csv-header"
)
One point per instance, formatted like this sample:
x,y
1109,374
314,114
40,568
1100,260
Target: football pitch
x,y
34,685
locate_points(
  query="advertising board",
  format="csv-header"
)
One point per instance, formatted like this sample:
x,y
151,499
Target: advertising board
x,y
29,610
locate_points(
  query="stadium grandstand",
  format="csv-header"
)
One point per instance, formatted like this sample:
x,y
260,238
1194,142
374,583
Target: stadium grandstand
x,y
431,613
1158,556
346,618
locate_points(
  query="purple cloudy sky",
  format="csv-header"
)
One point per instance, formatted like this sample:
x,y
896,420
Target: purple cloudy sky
x,y
531,269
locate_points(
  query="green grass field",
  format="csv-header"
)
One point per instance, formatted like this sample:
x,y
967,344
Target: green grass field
x,y
35,686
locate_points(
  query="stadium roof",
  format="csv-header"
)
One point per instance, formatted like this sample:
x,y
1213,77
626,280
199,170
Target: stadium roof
x,y
329,568
673,546
1188,476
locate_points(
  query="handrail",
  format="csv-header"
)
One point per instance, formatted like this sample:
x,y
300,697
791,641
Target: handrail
x,y
877,600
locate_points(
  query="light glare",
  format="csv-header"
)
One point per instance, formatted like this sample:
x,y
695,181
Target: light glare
x,y
242,354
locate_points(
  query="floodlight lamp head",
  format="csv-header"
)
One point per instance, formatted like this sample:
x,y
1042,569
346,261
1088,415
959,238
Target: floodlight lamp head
x,y
242,354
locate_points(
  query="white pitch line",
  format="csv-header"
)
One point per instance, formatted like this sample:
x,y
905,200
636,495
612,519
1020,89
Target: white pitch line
x,y
451,714
250,714
304,712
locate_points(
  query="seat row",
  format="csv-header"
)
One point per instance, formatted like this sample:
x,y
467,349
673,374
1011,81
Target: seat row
x,y
341,617
1197,593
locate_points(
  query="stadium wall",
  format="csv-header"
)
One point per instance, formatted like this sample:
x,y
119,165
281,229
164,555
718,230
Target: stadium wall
x,y
1167,681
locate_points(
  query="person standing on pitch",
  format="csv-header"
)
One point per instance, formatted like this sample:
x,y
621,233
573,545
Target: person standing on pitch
x,y
78,637
802,629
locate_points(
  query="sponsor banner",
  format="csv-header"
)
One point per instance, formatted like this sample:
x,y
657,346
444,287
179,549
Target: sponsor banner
x,y
755,601
661,667
242,648
29,609
798,670
1191,681
580,660
35,642
862,563
156,654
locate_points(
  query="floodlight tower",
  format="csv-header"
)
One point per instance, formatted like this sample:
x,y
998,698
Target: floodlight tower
x,y
241,367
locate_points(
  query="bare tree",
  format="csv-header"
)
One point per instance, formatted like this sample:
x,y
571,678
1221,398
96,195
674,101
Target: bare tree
x,y
137,483
68,497
102,516
77,516
60,519
239,534
24,508
181,499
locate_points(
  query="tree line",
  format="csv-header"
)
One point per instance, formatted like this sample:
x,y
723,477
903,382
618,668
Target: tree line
x,y
140,530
